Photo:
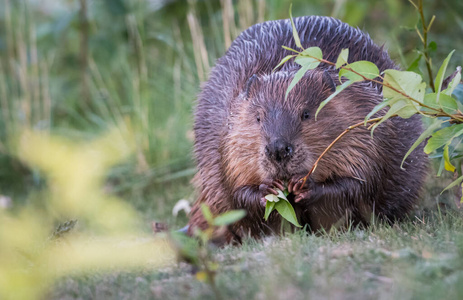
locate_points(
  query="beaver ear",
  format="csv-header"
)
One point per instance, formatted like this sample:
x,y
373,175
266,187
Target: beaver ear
x,y
329,82
251,81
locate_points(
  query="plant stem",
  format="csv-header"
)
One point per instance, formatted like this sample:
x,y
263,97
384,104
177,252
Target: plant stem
x,y
374,120
425,45
84,34
210,274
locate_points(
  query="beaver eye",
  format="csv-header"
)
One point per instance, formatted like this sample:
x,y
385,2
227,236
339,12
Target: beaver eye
x,y
258,119
305,115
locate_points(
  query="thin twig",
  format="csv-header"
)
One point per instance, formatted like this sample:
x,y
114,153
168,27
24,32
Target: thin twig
x,y
374,120
425,45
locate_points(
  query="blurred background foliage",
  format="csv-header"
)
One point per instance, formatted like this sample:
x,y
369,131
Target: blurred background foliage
x,y
78,67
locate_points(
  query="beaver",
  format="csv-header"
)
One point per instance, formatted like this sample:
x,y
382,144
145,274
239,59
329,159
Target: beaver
x,y
250,140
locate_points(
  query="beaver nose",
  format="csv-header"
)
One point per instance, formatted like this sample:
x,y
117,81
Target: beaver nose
x,y
279,150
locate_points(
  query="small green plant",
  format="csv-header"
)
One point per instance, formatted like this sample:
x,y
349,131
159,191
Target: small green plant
x,y
198,250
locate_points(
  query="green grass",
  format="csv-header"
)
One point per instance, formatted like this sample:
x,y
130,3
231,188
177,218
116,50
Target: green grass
x,y
417,259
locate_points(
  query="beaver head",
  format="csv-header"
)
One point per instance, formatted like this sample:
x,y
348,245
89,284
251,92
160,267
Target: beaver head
x,y
276,137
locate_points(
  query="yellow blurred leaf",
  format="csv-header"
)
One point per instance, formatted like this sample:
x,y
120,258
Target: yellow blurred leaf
x,y
201,276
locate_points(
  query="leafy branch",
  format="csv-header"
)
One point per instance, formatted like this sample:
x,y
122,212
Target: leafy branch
x,y
364,71
404,92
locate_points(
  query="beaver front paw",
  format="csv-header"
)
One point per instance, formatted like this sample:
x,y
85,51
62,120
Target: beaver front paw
x,y
269,187
300,189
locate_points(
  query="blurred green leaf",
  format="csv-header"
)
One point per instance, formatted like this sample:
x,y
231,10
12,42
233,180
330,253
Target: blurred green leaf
x,y
454,183
186,246
415,65
207,213
432,47
229,217
425,134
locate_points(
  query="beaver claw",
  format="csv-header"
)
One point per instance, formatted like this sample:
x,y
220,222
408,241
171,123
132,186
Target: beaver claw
x,y
269,187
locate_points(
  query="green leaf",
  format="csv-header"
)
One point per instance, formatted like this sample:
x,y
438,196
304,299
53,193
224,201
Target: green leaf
x,y
453,84
339,89
440,75
285,59
447,103
415,65
454,183
310,57
268,209
408,83
429,131
342,58
363,67
441,137
401,108
376,109
290,49
447,164
297,77
229,217
286,210
207,213
295,34
432,46
430,100
187,246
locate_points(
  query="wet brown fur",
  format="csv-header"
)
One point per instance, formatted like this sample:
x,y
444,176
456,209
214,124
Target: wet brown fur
x,y
358,178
